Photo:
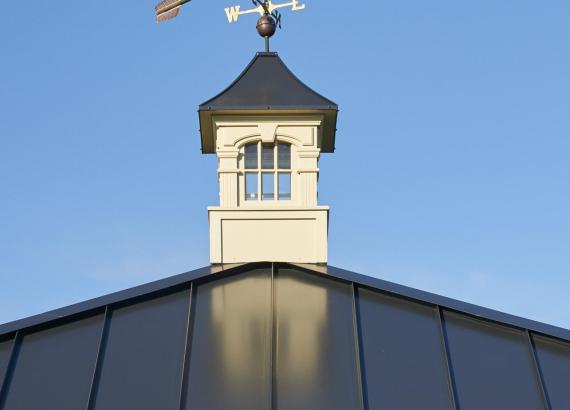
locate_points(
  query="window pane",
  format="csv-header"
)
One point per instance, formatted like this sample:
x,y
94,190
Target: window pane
x,y
284,186
251,186
267,160
284,156
268,185
251,156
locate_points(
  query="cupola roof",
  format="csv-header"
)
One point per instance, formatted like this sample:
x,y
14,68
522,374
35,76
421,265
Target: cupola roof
x,y
265,86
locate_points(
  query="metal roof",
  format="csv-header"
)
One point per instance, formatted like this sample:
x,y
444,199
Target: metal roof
x,y
265,86
281,336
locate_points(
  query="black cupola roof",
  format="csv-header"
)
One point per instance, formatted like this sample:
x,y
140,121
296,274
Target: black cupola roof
x,y
267,85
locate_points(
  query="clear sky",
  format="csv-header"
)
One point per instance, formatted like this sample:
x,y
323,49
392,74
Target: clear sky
x,y
452,168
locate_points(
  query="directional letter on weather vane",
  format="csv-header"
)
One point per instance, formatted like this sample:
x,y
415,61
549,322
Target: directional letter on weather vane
x,y
234,12
168,9
266,25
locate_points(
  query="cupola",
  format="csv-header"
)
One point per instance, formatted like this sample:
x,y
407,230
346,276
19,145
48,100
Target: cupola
x,y
268,130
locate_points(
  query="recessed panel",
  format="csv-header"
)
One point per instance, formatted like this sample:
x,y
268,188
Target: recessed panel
x,y
554,361
231,349
404,360
492,365
315,348
245,240
143,359
54,368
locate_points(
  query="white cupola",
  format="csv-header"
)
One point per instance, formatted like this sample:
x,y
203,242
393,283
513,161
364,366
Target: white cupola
x,y
268,130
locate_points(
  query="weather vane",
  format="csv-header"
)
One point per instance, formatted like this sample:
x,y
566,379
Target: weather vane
x,y
266,25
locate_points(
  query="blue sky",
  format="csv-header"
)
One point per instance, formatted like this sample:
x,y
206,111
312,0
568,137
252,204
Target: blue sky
x,y
452,169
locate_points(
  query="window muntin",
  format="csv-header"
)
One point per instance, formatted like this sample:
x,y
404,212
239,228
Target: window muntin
x,y
267,171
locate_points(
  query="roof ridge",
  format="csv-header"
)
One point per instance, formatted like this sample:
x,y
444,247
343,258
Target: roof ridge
x,y
172,282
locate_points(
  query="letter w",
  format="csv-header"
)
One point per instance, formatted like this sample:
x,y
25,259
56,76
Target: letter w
x,y
232,13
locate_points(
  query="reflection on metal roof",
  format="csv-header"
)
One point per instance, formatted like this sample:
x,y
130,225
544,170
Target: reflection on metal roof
x,y
281,336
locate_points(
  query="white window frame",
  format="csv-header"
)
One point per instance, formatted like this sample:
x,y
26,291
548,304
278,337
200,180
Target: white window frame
x,y
259,171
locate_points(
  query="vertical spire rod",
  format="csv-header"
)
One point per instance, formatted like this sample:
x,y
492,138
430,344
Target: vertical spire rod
x,y
267,44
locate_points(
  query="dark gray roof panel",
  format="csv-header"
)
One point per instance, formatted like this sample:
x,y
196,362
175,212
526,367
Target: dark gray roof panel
x,y
230,365
5,353
316,365
554,362
492,365
156,287
141,364
404,362
54,367
442,301
267,83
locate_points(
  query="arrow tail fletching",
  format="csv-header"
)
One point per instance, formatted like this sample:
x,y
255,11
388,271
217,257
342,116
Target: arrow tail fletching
x,y
168,9
170,14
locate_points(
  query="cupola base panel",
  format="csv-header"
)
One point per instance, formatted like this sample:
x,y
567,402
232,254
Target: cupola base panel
x,y
274,235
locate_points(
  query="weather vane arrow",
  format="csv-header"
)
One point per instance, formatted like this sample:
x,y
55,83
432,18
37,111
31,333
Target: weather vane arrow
x,y
168,9
266,25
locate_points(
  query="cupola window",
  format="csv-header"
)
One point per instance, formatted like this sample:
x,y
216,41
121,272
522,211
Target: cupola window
x,y
267,171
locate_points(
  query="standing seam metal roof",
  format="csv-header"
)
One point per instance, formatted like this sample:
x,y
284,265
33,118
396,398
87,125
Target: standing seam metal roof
x,y
281,336
267,83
